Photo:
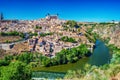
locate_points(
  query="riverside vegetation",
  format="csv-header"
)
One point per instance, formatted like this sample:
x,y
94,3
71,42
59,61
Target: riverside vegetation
x,y
22,62
20,67
12,66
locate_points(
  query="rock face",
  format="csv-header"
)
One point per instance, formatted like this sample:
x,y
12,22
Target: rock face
x,y
111,31
100,55
115,38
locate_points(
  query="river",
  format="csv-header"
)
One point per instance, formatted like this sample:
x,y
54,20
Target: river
x,y
47,75
100,54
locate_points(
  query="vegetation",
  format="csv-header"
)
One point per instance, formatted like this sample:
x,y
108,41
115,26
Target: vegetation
x,y
4,63
45,34
95,36
68,39
91,39
19,67
105,72
26,58
13,67
15,71
9,39
64,67
63,57
41,34
13,33
70,55
71,24
33,34
38,27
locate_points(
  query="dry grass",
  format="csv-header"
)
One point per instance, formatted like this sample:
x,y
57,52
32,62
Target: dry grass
x,y
4,39
18,48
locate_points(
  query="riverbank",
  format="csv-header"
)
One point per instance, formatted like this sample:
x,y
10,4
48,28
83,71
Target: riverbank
x,y
65,67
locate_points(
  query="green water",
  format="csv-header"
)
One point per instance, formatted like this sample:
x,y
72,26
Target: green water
x,y
58,71
47,75
100,55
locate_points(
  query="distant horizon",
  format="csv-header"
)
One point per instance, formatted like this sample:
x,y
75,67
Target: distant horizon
x,y
63,19
78,10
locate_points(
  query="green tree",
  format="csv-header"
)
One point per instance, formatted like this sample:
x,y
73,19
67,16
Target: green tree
x,y
25,57
116,57
82,50
68,39
71,23
70,58
38,27
8,58
46,61
4,63
72,55
16,71
59,57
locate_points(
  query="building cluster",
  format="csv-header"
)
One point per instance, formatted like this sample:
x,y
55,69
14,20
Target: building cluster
x,y
30,25
50,44
14,25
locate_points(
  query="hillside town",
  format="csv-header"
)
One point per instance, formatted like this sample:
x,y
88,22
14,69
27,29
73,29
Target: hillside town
x,y
52,27
59,39
48,45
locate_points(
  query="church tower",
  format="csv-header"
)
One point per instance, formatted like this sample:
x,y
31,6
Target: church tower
x,y
1,16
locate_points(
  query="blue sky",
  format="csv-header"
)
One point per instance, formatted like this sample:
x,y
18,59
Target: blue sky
x,y
79,10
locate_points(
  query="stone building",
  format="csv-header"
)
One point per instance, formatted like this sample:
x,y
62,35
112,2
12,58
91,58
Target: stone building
x,y
52,17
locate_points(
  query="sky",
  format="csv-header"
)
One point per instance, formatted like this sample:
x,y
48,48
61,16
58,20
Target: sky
x,y
79,10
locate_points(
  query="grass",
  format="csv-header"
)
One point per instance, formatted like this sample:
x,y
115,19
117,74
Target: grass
x,y
65,67
6,39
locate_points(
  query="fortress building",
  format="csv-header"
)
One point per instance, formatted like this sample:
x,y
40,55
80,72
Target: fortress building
x,y
52,17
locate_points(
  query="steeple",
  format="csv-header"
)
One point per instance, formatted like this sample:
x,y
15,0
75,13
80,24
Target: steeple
x,y
1,16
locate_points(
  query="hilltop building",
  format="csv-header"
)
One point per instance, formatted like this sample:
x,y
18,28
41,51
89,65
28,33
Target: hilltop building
x,y
52,17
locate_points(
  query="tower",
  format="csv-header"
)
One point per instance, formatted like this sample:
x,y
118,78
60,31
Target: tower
x,y
1,16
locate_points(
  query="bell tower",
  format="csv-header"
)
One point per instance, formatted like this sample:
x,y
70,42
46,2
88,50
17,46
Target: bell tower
x,y
1,16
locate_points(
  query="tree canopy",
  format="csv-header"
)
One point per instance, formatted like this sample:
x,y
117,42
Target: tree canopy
x,y
15,71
